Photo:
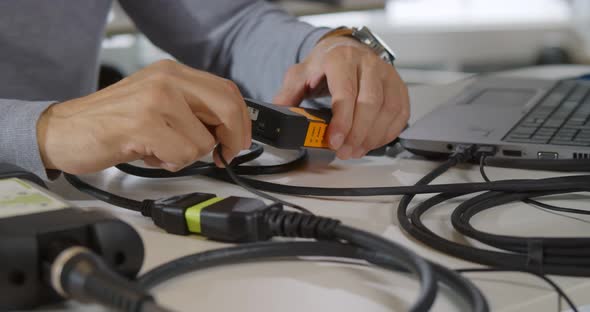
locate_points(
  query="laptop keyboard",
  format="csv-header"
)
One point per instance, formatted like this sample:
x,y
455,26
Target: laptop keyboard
x,y
561,118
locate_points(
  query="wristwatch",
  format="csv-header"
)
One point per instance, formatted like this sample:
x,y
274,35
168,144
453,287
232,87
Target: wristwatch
x,y
366,37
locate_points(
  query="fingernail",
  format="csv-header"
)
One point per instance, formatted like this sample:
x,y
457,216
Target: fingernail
x,y
345,152
170,166
358,153
336,140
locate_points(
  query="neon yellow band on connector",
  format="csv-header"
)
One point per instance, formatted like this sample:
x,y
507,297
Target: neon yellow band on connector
x,y
193,214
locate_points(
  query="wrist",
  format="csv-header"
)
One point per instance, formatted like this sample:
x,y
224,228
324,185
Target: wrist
x,y
364,37
331,42
46,128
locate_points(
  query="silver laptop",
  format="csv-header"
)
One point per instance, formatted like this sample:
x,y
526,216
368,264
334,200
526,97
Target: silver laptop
x,y
521,118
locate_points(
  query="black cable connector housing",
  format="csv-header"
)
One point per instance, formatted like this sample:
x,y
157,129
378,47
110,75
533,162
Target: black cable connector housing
x,y
169,213
236,219
233,219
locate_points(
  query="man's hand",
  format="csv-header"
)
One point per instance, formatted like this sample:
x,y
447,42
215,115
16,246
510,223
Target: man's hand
x,y
167,114
370,102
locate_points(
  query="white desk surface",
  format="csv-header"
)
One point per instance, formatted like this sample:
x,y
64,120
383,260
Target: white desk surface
x,y
313,286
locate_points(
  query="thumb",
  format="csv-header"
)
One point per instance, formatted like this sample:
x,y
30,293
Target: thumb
x,y
293,89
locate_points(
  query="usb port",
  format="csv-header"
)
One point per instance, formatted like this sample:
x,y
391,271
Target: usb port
x,y
512,153
547,155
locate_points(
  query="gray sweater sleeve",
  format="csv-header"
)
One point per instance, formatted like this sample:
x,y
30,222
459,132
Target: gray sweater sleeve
x,y
18,137
251,42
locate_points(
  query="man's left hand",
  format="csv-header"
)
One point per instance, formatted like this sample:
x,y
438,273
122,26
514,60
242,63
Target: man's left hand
x,y
370,102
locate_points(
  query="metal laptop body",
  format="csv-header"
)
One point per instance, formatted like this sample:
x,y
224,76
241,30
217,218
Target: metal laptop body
x,y
522,118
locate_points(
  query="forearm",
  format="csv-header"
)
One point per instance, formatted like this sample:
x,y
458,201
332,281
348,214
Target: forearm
x,y
249,41
18,138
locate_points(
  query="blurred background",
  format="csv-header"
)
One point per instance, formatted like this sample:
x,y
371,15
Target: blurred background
x,y
433,39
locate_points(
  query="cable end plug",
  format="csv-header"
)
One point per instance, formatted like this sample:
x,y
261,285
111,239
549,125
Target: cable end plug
x,y
463,152
232,219
484,151
169,213
80,274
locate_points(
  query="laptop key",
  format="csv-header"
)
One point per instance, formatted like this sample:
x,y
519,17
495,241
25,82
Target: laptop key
x,y
541,138
542,111
552,101
579,93
548,131
584,132
567,131
582,128
563,137
524,130
554,122
568,106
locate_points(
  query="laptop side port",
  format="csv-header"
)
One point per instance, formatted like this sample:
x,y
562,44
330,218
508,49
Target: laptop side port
x,y
548,155
512,153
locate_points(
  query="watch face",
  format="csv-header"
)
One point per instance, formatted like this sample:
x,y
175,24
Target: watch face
x,y
379,42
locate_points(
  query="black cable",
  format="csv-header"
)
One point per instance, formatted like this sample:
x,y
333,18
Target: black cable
x,y
204,168
500,185
523,254
557,288
229,168
291,224
522,189
295,225
482,171
276,251
565,256
102,195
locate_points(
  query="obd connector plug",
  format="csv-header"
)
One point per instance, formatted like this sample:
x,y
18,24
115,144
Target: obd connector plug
x,y
231,219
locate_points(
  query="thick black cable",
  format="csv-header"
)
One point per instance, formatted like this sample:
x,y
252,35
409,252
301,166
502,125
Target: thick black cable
x,y
414,263
276,251
105,196
411,261
565,256
578,182
294,225
290,224
196,168
560,292
374,242
529,201
229,168
205,168
515,185
414,226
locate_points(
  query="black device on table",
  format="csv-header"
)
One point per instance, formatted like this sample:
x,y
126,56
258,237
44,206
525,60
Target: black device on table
x,y
36,227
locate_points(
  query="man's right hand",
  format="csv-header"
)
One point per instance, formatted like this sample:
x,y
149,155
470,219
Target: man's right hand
x,y
167,114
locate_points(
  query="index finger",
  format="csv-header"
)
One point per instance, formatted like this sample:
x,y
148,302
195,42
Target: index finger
x,y
343,85
214,100
219,104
